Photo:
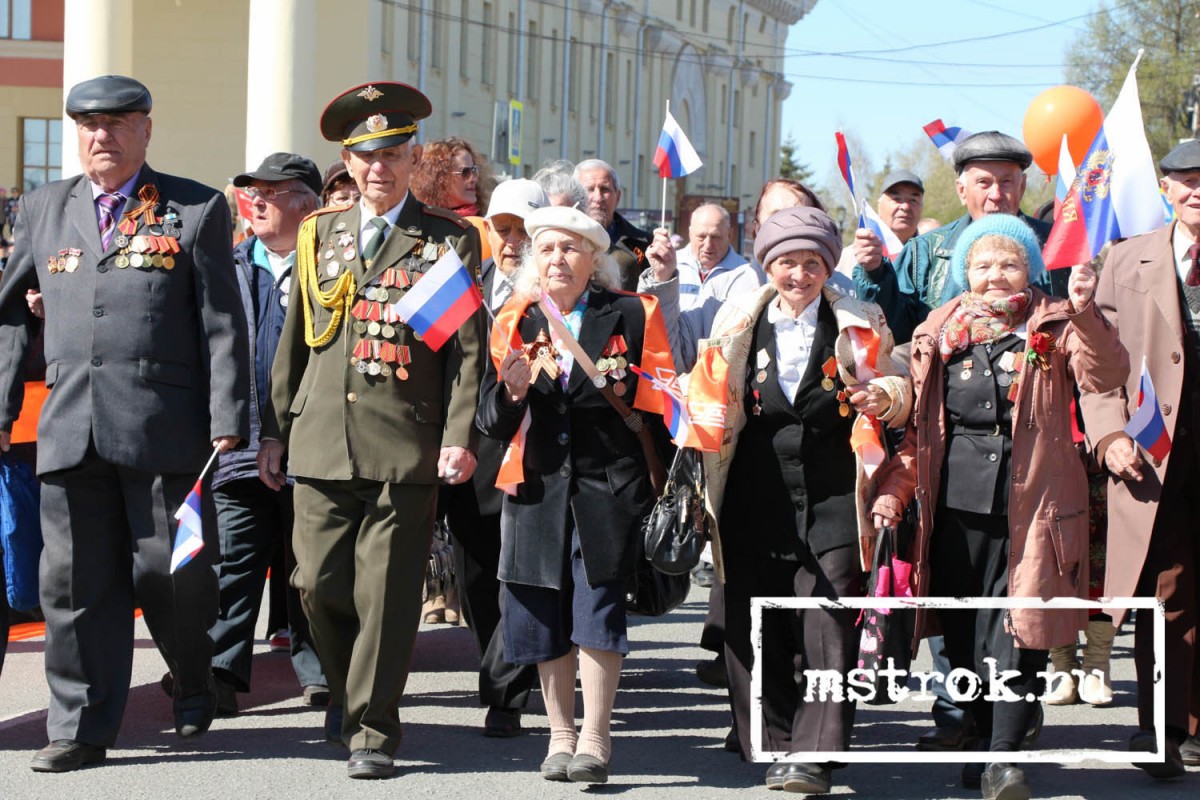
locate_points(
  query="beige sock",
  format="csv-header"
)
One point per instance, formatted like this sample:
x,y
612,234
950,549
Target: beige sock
x,y
599,672
558,693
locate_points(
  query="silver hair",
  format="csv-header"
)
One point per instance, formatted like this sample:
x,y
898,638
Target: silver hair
x,y
589,164
606,273
725,218
558,184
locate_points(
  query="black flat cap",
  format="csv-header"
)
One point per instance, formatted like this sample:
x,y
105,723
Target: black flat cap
x,y
284,167
1183,157
108,94
991,146
374,116
902,176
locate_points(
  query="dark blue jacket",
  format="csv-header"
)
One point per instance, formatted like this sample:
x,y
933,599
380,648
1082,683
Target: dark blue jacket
x,y
263,301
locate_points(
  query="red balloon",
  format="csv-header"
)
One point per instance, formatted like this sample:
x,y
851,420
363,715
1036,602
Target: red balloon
x,y
1061,110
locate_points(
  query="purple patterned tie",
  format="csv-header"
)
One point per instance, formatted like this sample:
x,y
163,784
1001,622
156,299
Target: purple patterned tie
x,y
109,204
1193,276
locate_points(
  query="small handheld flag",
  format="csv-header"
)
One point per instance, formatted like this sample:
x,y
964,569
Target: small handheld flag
x,y
675,156
441,301
1147,426
843,159
1066,175
945,139
867,217
189,535
675,414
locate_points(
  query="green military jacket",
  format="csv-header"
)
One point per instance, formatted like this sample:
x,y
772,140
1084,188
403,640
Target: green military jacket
x,y
354,392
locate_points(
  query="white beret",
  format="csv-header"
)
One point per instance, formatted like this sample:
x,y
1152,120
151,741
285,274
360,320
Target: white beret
x,y
565,218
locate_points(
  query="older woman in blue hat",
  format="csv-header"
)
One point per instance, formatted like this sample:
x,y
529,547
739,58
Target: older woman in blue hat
x,y
1001,492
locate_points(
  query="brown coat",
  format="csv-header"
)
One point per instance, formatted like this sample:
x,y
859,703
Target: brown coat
x,y
1048,500
1138,290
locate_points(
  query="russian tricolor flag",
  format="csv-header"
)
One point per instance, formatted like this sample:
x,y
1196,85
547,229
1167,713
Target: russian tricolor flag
x,y
189,536
1066,175
1147,426
675,414
1115,193
441,301
675,156
945,139
867,217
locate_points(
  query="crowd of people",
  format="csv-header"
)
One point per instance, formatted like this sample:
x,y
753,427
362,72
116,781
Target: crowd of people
x,y
997,391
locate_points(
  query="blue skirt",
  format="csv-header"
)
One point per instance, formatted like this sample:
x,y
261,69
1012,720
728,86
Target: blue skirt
x,y
542,624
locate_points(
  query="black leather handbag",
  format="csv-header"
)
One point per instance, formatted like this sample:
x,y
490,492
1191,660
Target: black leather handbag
x,y
677,528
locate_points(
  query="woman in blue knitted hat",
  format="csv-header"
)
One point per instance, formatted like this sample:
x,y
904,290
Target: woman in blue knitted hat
x,y
989,456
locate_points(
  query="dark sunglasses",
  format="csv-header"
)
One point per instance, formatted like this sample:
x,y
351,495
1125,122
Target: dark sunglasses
x,y
466,172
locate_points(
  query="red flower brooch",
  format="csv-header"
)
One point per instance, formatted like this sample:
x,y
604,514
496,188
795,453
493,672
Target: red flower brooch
x,y
1041,345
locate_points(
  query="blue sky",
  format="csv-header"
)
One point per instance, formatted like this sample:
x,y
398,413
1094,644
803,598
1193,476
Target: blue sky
x,y
887,117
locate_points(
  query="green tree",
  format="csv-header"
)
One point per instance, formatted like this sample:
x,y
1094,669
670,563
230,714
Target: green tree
x,y
789,167
1169,31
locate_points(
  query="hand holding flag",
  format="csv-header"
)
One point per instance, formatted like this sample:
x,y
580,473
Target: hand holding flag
x,y
867,217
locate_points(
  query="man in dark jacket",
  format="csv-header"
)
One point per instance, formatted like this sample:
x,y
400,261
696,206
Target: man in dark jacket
x,y
627,243
253,520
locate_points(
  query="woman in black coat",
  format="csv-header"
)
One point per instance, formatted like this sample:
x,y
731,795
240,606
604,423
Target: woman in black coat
x,y
578,487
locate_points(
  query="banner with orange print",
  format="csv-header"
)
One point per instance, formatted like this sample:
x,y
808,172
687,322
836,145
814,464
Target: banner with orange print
x,y
707,401
866,437
656,359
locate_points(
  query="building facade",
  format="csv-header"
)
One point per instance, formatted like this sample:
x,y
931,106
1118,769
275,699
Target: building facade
x,y
234,80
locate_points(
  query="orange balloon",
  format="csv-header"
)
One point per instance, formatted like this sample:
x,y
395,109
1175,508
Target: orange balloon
x,y
1061,110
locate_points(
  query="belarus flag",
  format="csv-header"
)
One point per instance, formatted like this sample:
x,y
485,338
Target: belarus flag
x,y
189,536
1147,426
441,301
675,156
1115,192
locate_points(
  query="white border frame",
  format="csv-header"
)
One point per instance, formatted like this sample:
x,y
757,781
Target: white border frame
x,y
910,755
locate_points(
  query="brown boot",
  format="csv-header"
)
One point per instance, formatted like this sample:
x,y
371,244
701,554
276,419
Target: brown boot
x,y
433,612
453,608
1096,688
1064,661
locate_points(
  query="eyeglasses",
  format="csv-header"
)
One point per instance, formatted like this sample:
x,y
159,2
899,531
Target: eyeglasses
x,y
270,194
466,172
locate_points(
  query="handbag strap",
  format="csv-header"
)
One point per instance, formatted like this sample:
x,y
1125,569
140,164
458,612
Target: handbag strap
x,y
633,420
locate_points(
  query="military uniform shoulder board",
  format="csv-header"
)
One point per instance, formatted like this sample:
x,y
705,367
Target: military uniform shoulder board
x,y
446,213
328,210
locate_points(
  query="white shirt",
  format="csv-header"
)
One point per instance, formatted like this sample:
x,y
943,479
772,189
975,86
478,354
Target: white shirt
x,y
502,289
793,343
367,230
1181,240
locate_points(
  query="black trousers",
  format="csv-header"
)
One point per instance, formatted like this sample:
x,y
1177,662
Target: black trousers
x,y
108,533
793,641
476,539
1170,573
969,558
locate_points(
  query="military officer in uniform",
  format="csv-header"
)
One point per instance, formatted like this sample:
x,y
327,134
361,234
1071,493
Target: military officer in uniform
x,y
372,419
147,365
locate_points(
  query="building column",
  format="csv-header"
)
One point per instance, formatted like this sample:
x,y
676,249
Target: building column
x,y
281,71
97,40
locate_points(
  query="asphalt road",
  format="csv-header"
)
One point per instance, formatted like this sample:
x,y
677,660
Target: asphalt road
x,y
667,735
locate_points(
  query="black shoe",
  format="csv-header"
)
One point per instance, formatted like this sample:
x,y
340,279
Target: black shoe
x,y
775,774
1189,751
713,672
807,778
66,755
227,702
194,714
369,764
587,769
316,695
972,775
555,767
333,725
502,723
1171,767
167,684
732,745
947,737
1004,782
1034,731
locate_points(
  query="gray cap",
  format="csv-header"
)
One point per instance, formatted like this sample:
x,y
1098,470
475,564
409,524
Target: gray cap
x,y
1182,158
283,167
902,176
991,146
108,94
799,228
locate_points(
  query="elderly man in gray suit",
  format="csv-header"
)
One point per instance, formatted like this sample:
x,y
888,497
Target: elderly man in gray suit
x,y
146,360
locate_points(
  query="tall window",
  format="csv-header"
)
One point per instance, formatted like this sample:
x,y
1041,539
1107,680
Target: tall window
x,y
594,83
576,68
629,94
555,66
513,64
16,19
737,108
753,147
436,34
533,61
487,51
414,31
610,86
41,155
464,50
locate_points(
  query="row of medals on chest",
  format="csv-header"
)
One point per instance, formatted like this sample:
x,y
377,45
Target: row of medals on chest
x,y
544,357
829,372
375,320
141,251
